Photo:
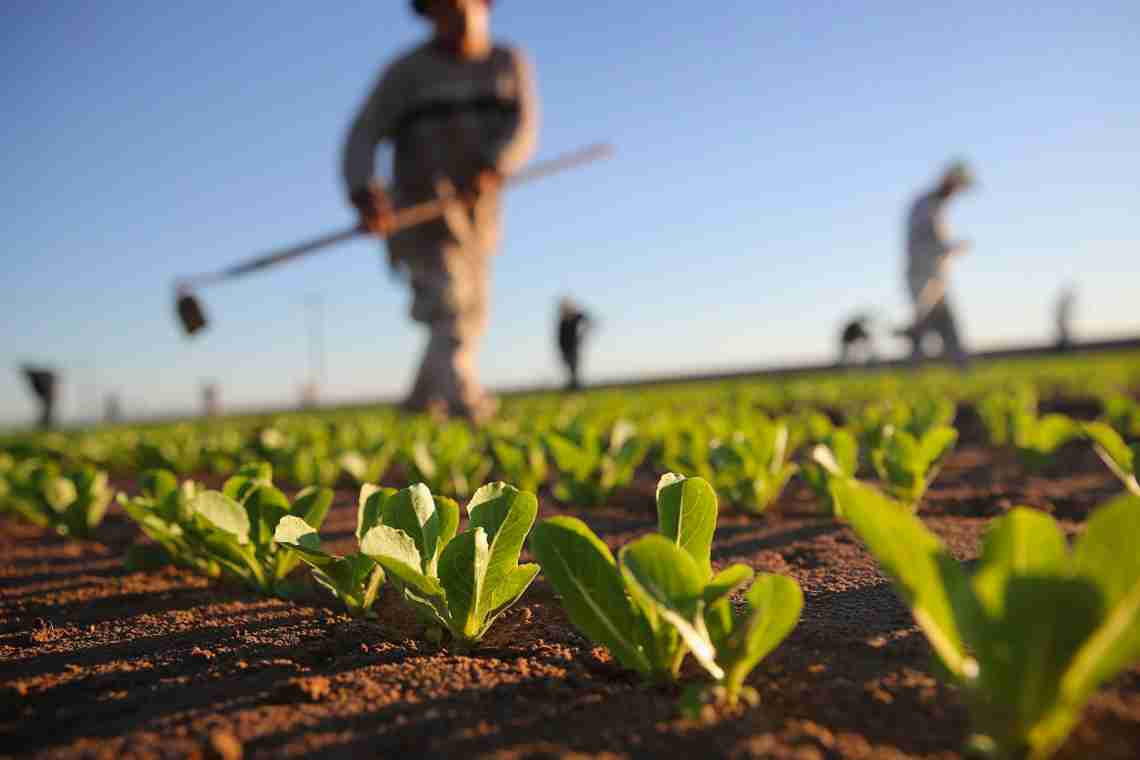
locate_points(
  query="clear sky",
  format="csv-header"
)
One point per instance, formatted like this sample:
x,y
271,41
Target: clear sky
x,y
766,154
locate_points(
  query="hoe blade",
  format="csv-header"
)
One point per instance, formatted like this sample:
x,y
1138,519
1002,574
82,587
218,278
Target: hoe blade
x,y
190,314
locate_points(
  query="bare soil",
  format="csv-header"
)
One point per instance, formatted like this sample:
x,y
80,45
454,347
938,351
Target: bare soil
x,y
99,662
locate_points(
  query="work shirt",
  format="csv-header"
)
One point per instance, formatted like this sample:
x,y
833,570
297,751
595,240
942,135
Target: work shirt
x,y
928,243
450,118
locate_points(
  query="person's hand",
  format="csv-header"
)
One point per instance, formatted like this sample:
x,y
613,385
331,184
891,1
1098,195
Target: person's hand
x,y
487,180
375,210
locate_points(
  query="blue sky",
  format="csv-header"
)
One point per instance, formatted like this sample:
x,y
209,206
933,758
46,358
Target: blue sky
x,y
766,153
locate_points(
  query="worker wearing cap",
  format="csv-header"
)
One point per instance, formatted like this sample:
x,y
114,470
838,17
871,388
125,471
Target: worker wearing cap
x,y
929,252
460,112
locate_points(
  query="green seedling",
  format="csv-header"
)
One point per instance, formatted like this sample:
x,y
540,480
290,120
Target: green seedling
x,y
1034,630
1037,439
1123,413
907,464
589,472
71,501
354,579
837,455
459,583
521,461
1119,456
661,600
232,529
752,470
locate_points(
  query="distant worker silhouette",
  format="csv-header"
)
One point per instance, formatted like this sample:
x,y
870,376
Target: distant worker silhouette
x,y
461,114
573,323
43,384
929,253
1064,317
855,340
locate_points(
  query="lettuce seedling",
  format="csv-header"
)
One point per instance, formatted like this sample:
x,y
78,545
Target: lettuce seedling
x,y
71,501
521,461
588,471
1123,413
354,579
460,583
1037,439
231,529
907,464
1034,630
752,470
661,600
1119,456
838,454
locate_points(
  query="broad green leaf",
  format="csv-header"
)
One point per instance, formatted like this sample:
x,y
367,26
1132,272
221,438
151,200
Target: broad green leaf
x,y
223,513
662,578
60,493
929,580
582,570
1024,542
507,515
312,505
462,572
726,581
1115,453
686,515
413,511
299,536
354,464
370,507
509,591
396,552
158,484
1106,555
774,606
448,510
265,505
937,442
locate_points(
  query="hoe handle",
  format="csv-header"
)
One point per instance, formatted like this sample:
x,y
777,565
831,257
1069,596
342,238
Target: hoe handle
x,y
409,216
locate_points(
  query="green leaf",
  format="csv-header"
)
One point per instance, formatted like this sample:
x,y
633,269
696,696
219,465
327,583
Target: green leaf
x,y
509,591
462,572
775,603
413,511
370,507
396,552
582,570
507,515
1106,555
301,537
927,578
665,584
265,505
312,505
686,515
158,484
223,513
725,582
1115,453
60,493
1024,542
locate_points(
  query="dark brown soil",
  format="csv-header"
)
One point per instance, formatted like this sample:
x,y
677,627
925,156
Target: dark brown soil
x,y
99,662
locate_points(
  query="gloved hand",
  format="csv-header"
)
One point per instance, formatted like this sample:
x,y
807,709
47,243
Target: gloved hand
x,y
375,209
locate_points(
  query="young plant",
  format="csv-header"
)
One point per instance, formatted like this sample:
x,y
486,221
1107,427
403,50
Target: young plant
x,y
1032,633
71,501
589,471
520,460
837,455
231,529
907,464
1037,439
1120,457
661,600
458,583
354,579
752,470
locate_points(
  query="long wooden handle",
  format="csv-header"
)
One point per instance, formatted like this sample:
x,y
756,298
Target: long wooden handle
x,y
409,216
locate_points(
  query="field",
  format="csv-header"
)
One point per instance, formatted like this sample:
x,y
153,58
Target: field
x,y
107,651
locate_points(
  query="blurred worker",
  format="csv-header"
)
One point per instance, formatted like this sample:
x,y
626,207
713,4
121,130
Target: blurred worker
x,y
1064,317
855,340
572,326
929,253
461,114
43,384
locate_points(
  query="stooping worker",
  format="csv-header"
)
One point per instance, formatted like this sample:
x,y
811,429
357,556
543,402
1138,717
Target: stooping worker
x,y
929,253
460,112
573,323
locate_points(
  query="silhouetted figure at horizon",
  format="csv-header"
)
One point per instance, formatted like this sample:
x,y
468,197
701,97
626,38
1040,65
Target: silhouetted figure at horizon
x,y
1064,317
43,383
856,342
572,326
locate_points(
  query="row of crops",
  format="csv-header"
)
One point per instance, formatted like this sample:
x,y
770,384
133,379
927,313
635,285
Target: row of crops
x,y
1028,633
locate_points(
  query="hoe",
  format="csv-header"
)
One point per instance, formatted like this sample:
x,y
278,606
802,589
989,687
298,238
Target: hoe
x,y
192,317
